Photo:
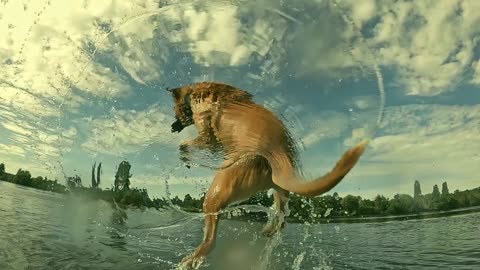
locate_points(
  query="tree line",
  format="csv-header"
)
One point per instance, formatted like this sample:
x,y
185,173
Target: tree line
x,y
24,178
120,193
333,206
301,209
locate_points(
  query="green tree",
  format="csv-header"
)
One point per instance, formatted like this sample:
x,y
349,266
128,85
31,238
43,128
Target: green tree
x,y
351,204
188,201
381,204
300,207
333,202
419,204
260,198
2,168
74,182
39,183
445,189
448,202
94,181
23,178
417,191
401,204
366,207
122,177
176,201
435,192
99,172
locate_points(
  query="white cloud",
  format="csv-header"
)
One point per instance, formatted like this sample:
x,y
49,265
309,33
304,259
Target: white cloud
x,y
216,31
363,103
476,75
44,55
40,138
358,135
363,11
128,131
145,179
39,146
318,51
431,143
12,149
216,36
326,125
177,186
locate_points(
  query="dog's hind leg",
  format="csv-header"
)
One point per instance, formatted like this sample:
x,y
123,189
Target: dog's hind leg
x,y
277,221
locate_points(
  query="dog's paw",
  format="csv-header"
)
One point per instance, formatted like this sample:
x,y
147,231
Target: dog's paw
x,y
270,229
185,160
191,262
185,154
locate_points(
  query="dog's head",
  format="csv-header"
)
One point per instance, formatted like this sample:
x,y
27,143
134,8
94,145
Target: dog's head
x,y
204,93
182,108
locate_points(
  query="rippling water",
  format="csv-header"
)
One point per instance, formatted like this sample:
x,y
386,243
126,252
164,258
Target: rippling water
x,y
42,230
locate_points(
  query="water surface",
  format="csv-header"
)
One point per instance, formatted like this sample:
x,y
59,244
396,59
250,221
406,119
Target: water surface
x,y
43,230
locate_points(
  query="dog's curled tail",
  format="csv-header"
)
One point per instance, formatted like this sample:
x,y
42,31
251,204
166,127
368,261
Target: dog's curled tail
x,y
283,177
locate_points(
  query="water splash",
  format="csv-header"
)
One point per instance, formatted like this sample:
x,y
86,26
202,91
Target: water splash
x,y
298,261
266,255
375,65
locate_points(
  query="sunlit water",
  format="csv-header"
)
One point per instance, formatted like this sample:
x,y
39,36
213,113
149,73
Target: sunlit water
x,y
41,230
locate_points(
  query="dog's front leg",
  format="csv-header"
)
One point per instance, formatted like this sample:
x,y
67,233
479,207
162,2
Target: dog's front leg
x,y
217,198
198,257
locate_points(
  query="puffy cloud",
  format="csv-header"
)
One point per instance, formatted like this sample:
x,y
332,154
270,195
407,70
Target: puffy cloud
x,y
326,125
431,44
129,131
44,56
216,30
354,120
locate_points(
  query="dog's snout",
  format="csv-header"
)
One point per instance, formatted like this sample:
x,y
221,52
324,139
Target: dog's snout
x,y
177,126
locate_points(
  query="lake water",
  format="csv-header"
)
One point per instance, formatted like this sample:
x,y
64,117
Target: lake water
x,y
42,230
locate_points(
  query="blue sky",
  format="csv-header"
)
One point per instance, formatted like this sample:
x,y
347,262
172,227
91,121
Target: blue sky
x,y
84,82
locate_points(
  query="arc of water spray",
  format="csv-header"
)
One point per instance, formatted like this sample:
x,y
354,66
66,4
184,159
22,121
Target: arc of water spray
x,y
376,67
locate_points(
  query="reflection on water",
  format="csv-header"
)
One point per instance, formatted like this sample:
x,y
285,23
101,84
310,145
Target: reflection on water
x,y
42,230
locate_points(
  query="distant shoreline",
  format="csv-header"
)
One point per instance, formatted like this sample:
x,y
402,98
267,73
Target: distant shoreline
x,y
134,197
262,217
379,219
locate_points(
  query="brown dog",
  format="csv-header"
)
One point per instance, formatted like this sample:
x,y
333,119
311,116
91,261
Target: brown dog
x,y
259,154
